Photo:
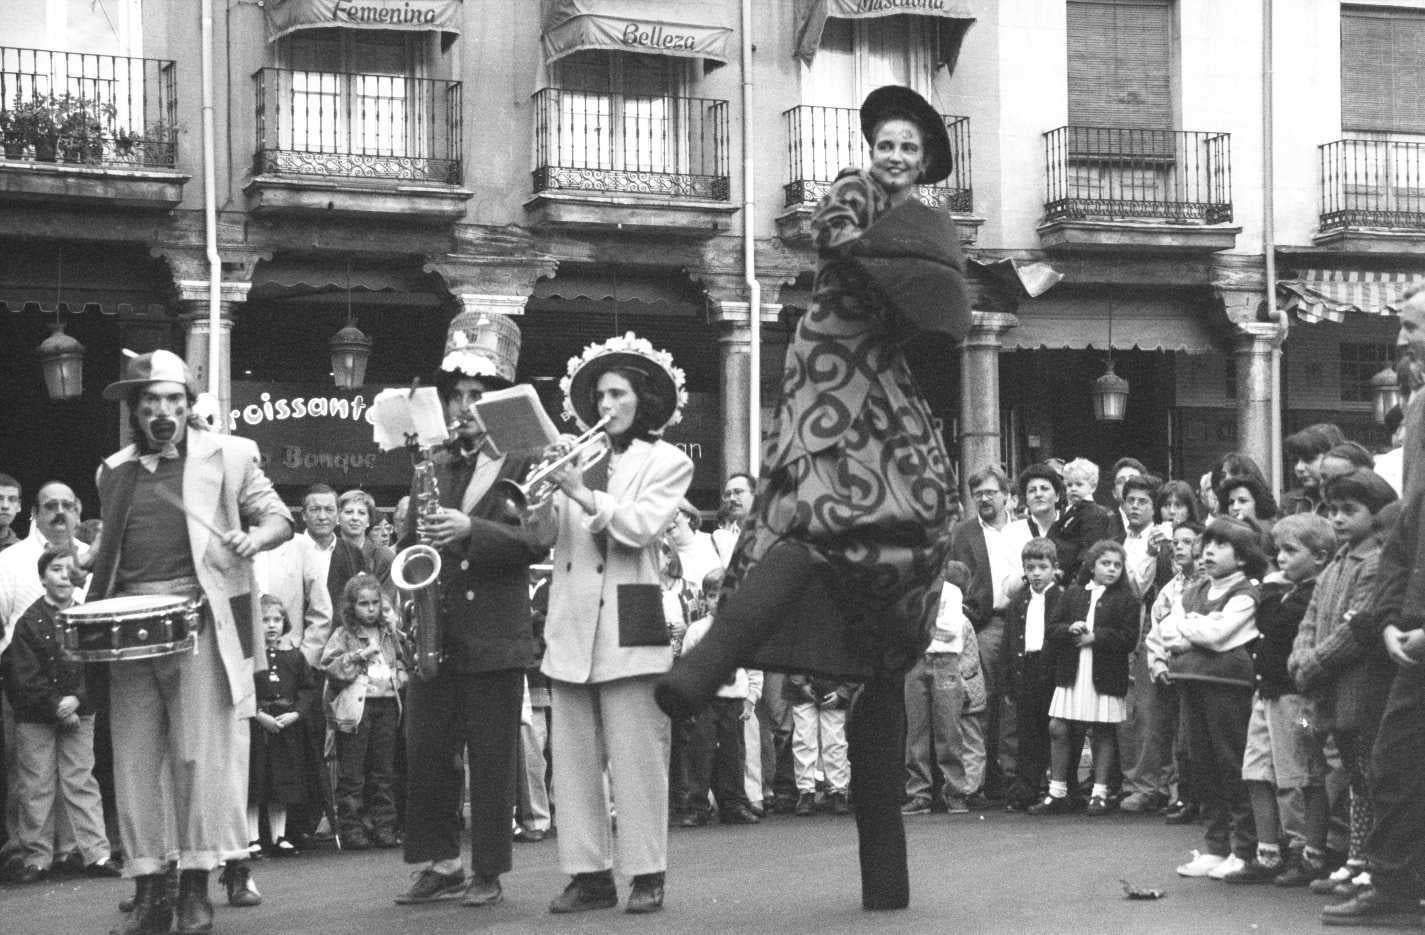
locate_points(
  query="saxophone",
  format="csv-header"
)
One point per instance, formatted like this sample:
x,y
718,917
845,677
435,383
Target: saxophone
x,y
415,571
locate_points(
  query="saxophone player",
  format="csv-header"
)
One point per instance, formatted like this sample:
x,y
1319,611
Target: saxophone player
x,y
471,707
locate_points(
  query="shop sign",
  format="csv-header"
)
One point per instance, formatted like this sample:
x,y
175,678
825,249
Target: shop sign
x,y
309,433
699,436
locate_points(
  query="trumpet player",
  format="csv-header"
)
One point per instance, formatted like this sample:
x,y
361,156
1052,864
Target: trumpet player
x,y
471,707
605,634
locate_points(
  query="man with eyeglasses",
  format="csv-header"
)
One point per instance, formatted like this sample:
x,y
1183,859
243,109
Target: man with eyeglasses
x,y
9,509
53,522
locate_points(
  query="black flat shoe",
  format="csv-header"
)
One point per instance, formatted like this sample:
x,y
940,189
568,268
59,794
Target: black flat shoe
x,y
647,894
1051,806
587,891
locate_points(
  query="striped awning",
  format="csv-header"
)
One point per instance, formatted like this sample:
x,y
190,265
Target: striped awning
x,y
1328,294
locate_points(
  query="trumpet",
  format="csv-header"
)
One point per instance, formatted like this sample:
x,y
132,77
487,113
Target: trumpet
x,y
585,451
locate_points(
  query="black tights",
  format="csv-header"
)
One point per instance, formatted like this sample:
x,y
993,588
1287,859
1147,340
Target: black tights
x,y
875,727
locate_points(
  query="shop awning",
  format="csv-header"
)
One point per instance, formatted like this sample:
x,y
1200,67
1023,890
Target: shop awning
x,y
1328,294
1060,322
288,16
953,18
686,28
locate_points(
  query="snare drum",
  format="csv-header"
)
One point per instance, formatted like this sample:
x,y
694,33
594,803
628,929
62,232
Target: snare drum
x,y
135,626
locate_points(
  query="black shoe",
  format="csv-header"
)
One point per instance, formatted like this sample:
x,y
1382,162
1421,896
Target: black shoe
x,y
1187,814
694,819
152,913
739,815
431,886
838,804
355,840
806,804
784,803
1098,805
385,839
587,891
103,868
236,879
978,802
647,894
28,874
483,891
1371,907
283,848
194,913
529,835
1051,806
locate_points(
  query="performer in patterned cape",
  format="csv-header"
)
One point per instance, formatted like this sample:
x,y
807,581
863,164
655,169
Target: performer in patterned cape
x,y
837,571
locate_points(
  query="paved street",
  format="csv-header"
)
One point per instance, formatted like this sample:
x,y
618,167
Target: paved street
x,y
970,874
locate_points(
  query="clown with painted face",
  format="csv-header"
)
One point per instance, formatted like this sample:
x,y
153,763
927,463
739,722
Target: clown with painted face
x,y
184,508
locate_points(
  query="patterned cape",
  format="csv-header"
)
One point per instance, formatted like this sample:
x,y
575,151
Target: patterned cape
x,y
854,468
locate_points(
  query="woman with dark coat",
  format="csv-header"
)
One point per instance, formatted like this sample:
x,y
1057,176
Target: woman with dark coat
x,y
837,570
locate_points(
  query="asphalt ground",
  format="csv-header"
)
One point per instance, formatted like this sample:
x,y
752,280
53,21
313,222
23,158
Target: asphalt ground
x,y
988,872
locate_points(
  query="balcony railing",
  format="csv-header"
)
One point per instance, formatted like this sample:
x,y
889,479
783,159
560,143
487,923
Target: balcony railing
x,y
81,108
1113,174
673,147
1372,183
821,141
338,124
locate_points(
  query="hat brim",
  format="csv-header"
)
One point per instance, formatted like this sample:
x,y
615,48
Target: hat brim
x,y
894,100
119,389
585,380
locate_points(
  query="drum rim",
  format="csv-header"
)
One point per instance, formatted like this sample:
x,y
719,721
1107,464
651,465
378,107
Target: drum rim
x,y
160,605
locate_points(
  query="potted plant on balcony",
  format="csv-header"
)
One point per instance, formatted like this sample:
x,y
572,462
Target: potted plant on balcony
x,y
33,122
81,128
159,145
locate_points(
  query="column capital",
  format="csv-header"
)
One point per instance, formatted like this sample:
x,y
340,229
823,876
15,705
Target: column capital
x,y
512,305
1258,335
735,313
193,292
492,275
189,263
995,323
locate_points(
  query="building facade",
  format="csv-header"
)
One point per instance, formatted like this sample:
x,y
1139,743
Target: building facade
x,y
589,167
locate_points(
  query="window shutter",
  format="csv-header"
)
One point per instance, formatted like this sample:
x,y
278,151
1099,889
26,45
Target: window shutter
x,y
1120,60
1383,70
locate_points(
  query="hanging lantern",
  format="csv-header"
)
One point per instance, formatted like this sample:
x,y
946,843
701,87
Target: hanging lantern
x,y
1110,396
351,349
62,358
1385,393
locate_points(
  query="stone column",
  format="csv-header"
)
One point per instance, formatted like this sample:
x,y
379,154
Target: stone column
x,y
193,313
979,391
734,352
1254,343
487,302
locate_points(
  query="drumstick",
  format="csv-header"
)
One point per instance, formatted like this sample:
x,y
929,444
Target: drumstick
x,y
171,498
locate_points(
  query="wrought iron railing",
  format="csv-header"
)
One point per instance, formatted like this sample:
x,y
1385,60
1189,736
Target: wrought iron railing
x,y
1115,174
1372,183
340,124
674,147
821,141
82,108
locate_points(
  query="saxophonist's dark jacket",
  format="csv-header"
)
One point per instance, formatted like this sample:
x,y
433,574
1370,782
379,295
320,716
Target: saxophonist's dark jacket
x,y
484,579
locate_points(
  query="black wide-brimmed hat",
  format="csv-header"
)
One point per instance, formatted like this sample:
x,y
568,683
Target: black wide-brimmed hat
x,y
894,100
627,352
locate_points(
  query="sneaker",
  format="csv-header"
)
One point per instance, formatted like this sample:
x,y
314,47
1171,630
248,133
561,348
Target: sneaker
x,y
1141,802
806,804
957,805
1326,886
1200,865
1232,864
1252,872
431,886
919,805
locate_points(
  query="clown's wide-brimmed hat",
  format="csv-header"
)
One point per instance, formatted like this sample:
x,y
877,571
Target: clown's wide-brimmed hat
x,y
483,345
627,352
893,101
153,367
